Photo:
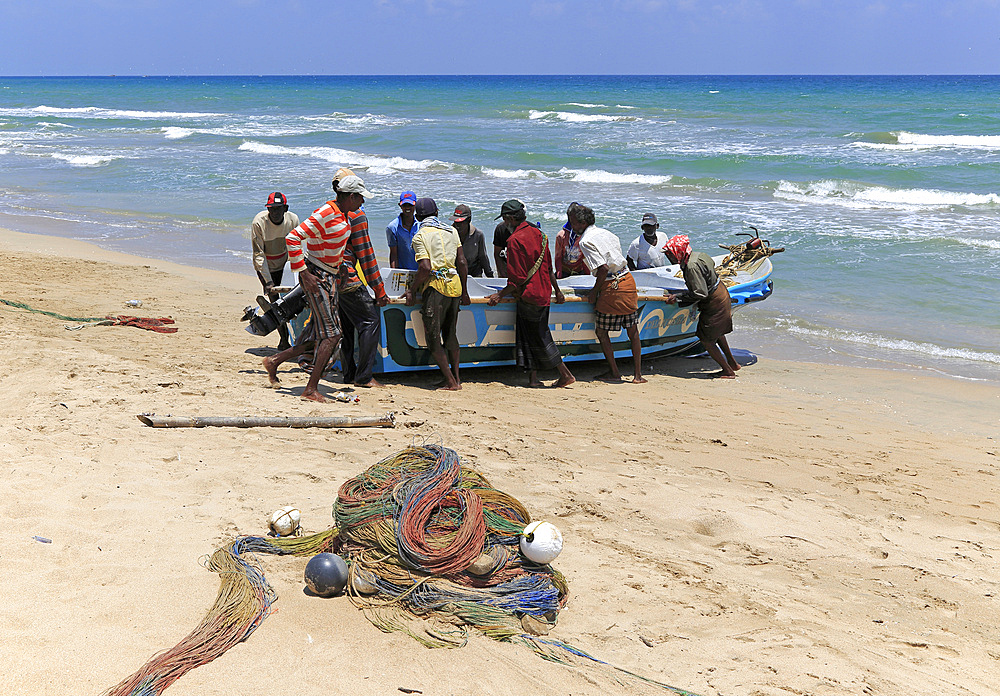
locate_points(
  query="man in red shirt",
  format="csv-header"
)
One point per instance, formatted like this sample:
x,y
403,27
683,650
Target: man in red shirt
x,y
531,278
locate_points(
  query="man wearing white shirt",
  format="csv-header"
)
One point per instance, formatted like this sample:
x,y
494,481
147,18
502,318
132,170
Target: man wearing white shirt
x,y
646,250
615,297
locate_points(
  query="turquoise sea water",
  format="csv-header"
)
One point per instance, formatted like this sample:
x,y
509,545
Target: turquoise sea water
x,y
884,190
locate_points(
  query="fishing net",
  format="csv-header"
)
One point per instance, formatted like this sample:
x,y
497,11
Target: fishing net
x,y
432,551
159,325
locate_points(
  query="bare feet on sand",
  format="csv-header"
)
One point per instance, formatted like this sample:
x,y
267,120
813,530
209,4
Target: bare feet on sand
x,y
639,380
610,377
565,381
444,386
724,375
369,385
536,384
272,373
314,396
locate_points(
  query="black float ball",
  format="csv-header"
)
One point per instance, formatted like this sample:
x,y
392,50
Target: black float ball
x,y
326,574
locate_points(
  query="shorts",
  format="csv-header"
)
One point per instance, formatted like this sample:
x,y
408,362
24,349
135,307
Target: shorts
x,y
440,314
616,322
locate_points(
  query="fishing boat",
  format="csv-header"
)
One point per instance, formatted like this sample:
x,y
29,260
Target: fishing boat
x,y
486,334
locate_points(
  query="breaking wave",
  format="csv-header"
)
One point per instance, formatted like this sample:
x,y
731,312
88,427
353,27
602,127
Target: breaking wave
x,y
374,163
84,160
904,140
855,195
573,117
890,344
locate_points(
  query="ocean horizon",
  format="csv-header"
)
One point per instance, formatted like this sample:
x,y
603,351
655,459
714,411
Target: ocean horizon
x,y
885,190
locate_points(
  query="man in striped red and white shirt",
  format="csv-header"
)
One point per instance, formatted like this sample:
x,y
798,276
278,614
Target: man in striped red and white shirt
x,y
325,234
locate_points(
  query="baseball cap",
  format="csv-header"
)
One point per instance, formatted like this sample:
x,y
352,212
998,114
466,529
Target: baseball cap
x,y
341,173
408,197
353,184
425,207
276,200
511,206
648,219
462,213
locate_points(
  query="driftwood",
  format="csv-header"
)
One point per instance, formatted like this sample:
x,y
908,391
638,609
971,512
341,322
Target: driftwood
x,y
154,421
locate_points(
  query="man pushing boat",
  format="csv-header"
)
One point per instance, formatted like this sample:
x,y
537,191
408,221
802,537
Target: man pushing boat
x,y
325,233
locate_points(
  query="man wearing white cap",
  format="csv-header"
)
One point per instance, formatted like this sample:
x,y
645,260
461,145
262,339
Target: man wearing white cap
x,y
325,234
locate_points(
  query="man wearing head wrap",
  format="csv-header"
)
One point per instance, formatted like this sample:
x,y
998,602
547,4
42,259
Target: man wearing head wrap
x,y
531,279
715,308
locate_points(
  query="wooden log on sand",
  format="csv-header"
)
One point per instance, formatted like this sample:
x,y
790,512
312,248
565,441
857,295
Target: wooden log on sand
x,y
154,421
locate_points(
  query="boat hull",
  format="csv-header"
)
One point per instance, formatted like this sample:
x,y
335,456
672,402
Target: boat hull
x,y
486,334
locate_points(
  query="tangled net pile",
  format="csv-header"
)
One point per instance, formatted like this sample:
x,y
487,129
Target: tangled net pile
x,y
432,549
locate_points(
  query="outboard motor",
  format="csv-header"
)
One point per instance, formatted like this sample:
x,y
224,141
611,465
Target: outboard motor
x,y
281,311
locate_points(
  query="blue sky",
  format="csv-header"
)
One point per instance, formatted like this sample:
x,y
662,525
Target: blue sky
x,y
158,37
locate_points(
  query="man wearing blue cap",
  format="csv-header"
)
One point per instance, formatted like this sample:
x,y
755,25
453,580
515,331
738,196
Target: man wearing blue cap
x,y
399,233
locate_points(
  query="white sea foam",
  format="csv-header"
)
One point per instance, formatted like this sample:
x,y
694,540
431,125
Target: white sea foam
x,y
84,160
599,176
373,163
587,106
512,173
176,132
981,243
892,344
572,117
907,141
854,195
98,112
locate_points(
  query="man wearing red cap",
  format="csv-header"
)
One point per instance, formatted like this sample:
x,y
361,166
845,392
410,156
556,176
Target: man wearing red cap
x,y
267,237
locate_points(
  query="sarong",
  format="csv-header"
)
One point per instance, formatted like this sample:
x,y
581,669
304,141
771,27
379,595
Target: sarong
x,y
323,305
618,295
533,344
716,314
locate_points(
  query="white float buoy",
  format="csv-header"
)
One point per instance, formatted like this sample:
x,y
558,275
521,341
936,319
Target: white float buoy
x,y
285,521
541,542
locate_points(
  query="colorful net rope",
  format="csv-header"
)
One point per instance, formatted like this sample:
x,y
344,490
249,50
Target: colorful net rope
x,y
432,549
160,325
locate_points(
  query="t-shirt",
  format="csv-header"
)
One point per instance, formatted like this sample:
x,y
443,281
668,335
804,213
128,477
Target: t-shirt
x,y
699,276
646,255
439,245
523,249
602,248
268,241
501,233
474,248
325,234
396,235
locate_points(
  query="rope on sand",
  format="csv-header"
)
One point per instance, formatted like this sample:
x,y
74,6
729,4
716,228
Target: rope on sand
x,y
160,325
409,529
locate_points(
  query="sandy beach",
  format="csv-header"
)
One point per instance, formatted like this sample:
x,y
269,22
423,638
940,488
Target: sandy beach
x,y
804,529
